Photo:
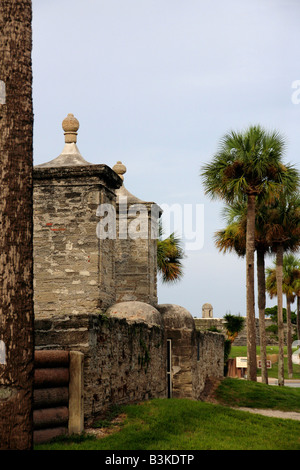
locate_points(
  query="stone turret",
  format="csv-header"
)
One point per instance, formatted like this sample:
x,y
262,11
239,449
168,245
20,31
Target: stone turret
x,y
73,268
207,311
136,245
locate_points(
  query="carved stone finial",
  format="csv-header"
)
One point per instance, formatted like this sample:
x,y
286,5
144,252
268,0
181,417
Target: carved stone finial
x,y
120,169
70,126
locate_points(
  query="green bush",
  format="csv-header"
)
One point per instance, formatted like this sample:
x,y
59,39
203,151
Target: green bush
x,y
234,323
214,329
273,329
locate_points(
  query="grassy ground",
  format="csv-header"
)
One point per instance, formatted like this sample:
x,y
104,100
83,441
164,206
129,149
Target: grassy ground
x,y
244,393
193,425
237,351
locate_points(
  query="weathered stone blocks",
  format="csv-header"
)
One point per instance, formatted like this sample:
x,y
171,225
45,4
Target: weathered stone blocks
x,y
73,269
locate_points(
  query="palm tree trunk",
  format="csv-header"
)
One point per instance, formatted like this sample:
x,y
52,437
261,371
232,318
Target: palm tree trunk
x,y
261,284
250,250
279,277
298,317
289,337
16,272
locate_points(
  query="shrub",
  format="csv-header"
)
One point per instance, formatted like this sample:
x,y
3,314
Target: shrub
x,y
233,324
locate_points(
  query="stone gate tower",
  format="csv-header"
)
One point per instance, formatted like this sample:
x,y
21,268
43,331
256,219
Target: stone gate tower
x,y
136,246
73,268
76,269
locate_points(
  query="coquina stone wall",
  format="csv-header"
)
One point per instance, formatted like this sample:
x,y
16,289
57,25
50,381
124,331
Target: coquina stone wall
x,y
122,363
126,361
204,324
136,264
196,356
210,358
135,246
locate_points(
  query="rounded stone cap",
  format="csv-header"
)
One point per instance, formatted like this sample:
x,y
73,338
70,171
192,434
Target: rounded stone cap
x,y
134,311
70,126
176,317
207,305
120,169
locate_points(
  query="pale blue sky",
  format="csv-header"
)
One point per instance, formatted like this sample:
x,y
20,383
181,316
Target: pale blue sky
x,y
155,84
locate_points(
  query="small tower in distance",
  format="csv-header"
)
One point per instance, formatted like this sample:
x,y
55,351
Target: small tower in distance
x,y
207,311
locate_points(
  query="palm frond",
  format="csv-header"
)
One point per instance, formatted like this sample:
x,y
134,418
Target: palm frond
x,y
170,254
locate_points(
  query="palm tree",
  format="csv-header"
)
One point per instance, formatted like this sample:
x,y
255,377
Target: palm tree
x,y
297,293
291,270
233,237
16,272
169,257
246,165
283,231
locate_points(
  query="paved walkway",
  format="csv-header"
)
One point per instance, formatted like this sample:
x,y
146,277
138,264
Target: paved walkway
x,y
287,382
276,413
272,413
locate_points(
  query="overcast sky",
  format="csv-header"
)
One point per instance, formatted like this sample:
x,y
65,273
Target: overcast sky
x,y
156,84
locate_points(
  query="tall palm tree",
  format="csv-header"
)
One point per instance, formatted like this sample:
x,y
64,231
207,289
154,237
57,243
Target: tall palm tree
x,y
297,293
233,238
16,298
291,270
283,230
248,164
169,257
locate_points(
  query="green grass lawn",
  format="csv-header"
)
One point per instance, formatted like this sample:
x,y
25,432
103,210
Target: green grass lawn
x,y
163,424
241,351
237,393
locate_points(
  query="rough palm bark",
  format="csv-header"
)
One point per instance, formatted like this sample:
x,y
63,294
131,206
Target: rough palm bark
x,y
289,335
250,250
261,287
298,317
233,238
279,279
16,292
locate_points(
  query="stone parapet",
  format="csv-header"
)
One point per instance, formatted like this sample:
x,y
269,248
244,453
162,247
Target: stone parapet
x,y
205,324
125,359
123,362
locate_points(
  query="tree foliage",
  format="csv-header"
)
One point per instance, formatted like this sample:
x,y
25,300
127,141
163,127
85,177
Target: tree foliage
x,y
233,324
170,254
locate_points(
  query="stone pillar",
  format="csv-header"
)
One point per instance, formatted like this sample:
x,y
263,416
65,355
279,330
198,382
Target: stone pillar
x,y
136,246
76,387
179,328
73,268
